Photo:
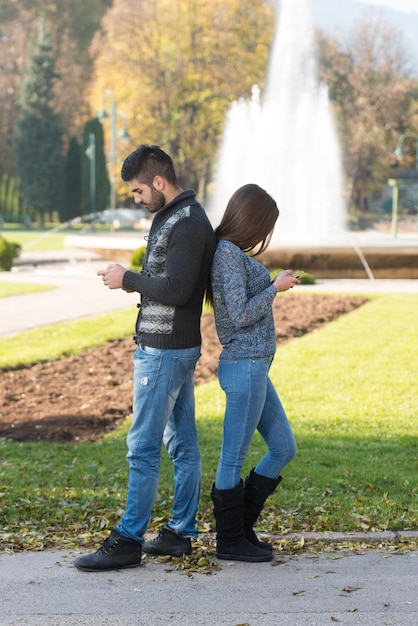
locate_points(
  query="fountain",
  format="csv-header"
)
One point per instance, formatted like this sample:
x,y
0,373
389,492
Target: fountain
x,y
285,140
289,146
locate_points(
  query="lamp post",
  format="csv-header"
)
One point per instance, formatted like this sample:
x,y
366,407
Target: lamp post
x,y
91,155
392,182
114,112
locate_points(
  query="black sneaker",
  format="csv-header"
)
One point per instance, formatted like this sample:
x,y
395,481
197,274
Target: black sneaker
x,y
116,552
168,543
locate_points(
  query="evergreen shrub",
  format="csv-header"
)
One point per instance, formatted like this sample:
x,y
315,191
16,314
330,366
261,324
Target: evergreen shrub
x,y
137,259
8,252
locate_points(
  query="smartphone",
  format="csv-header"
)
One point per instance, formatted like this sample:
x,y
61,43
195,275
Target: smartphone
x,y
298,273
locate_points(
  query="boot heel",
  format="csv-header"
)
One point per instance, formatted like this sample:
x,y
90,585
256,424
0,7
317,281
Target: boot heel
x,y
242,551
252,538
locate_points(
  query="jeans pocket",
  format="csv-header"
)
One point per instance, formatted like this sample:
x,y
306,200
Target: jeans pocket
x,y
227,374
149,350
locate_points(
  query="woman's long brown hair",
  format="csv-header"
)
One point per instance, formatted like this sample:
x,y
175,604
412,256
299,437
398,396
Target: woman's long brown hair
x,y
248,222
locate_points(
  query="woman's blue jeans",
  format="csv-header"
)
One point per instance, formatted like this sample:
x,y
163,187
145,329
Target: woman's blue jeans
x,y
251,403
163,411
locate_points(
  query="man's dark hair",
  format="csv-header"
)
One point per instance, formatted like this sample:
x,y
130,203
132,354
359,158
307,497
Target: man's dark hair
x,y
147,162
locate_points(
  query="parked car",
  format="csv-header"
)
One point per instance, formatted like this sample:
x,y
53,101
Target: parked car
x,y
138,219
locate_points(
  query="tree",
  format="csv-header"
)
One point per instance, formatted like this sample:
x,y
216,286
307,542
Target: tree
x,y
102,180
13,40
72,25
39,134
78,171
71,206
10,206
372,94
176,79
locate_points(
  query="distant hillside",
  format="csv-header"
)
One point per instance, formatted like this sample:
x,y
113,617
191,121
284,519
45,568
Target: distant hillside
x,y
335,16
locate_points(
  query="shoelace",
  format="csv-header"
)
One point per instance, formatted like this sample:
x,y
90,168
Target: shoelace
x,y
160,536
108,545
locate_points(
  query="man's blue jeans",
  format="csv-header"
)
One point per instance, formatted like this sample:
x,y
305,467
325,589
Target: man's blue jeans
x,y
163,410
251,403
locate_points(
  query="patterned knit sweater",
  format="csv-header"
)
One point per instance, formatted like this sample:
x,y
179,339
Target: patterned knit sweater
x,y
242,299
174,274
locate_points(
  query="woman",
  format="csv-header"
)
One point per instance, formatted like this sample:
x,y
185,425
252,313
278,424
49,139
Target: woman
x,y
242,295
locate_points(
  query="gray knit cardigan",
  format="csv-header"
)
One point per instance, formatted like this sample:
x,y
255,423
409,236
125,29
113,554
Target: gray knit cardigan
x,y
242,299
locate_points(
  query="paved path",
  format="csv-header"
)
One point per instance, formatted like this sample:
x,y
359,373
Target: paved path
x,y
80,292
370,589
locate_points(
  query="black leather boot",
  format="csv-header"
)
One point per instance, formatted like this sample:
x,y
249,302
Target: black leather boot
x,y
231,542
169,543
116,552
257,489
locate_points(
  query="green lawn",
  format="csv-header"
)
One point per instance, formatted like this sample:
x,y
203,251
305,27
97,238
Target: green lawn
x,y
60,340
16,289
45,239
350,392
37,239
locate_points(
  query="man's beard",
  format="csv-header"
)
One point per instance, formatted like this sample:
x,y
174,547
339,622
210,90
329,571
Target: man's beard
x,y
157,201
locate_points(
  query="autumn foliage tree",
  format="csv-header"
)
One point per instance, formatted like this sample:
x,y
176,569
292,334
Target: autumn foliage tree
x,y
174,67
373,95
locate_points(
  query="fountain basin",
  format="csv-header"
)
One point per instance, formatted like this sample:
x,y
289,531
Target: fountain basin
x,y
339,261
387,257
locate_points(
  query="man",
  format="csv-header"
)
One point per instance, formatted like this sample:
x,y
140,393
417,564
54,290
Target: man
x,y
172,283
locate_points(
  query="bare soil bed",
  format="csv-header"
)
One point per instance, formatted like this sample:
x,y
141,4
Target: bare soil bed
x,y
82,397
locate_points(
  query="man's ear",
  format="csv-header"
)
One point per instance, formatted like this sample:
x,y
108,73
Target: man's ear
x,y
158,183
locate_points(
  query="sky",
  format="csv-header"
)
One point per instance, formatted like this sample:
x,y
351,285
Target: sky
x,y
399,5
